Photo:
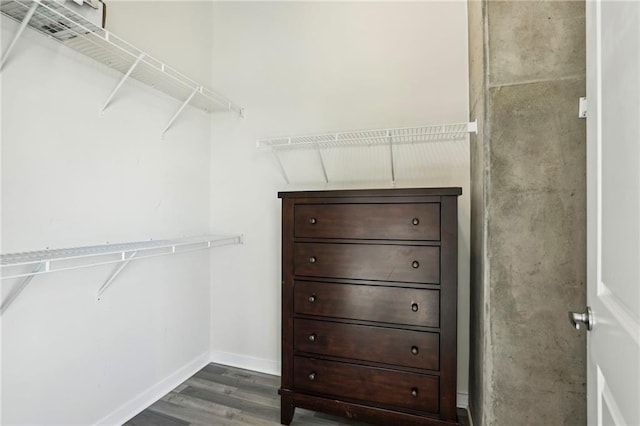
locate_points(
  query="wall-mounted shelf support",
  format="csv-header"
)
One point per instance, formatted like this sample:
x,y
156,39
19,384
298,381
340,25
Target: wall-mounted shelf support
x,y
12,265
184,104
23,25
393,170
324,169
282,169
122,80
367,138
19,287
125,261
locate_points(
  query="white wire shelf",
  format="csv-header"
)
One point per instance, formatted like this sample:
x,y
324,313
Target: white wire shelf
x,y
26,265
396,136
96,254
73,30
367,138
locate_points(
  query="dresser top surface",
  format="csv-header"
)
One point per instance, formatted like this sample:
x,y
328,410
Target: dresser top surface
x,y
395,192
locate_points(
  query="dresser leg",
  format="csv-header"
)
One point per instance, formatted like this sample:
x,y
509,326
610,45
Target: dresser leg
x,y
286,410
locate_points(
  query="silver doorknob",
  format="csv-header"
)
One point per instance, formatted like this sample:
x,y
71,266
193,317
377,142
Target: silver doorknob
x,y
577,318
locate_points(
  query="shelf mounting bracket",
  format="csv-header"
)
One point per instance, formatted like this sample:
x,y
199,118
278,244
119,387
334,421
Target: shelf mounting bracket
x,y
115,90
23,25
116,272
282,170
18,288
324,170
393,171
184,104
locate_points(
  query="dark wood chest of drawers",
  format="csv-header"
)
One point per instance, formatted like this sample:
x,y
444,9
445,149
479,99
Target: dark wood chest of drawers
x,y
369,296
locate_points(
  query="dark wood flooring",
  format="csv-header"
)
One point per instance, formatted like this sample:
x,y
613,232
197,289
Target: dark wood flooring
x,y
227,396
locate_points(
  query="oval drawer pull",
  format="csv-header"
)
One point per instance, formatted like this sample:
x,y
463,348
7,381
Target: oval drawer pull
x,y
415,221
312,337
415,264
414,392
312,375
414,350
414,306
313,259
313,221
312,298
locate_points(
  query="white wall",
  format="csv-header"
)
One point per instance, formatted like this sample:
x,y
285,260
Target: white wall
x,y
312,67
72,178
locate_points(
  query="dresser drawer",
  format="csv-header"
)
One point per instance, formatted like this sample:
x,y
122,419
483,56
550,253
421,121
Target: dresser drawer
x,y
378,344
369,303
368,221
357,382
418,264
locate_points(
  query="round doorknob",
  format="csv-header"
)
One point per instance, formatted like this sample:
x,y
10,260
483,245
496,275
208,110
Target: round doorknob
x,y
312,376
312,337
415,221
313,220
414,350
414,392
415,264
312,298
312,259
414,307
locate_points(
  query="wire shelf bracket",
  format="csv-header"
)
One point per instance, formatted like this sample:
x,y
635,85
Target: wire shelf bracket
x,y
125,262
44,261
21,28
19,287
124,78
366,138
184,104
64,25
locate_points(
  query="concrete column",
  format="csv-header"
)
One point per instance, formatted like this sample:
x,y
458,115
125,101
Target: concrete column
x,y
528,217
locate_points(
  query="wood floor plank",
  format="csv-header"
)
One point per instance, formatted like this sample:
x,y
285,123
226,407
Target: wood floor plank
x,y
258,388
258,398
253,377
194,416
209,385
200,404
151,418
256,410
217,411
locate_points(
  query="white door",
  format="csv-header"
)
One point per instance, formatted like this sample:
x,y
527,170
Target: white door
x,y
613,212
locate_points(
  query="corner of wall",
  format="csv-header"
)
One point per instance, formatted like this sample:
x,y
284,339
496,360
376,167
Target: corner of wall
x,y
145,399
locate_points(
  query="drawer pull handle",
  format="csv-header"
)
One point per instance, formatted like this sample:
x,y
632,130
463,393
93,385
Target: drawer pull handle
x,y
312,376
414,350
414,392
415,264
312,337
312,298
313,220
415,221
414,307
312,259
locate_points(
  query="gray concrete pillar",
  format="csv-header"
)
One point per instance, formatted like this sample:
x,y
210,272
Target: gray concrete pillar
x,y
528,217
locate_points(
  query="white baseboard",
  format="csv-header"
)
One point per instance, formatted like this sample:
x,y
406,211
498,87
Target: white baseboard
x,y
154,393
462,400
247,362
